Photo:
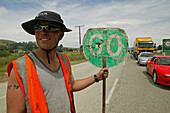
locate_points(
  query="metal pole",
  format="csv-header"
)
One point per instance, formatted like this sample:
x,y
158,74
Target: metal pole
x,y
80,38
104,85
80,41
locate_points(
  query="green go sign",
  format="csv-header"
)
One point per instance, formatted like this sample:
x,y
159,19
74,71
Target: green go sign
x,y
109,42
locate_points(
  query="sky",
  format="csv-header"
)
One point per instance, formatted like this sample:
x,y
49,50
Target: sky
x,y
138,18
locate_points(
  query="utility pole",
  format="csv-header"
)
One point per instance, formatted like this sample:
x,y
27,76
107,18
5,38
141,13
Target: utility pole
x,y
80,38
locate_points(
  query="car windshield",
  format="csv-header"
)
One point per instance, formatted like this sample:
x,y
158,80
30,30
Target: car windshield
x,y
163,61
146,55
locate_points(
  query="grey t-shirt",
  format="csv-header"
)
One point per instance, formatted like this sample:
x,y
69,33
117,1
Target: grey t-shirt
x,y
53,85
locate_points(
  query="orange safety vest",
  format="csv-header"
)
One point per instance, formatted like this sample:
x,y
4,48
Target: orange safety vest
x,y
31,86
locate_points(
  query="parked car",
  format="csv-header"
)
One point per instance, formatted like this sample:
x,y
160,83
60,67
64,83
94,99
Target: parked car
x,y
143,57
159,68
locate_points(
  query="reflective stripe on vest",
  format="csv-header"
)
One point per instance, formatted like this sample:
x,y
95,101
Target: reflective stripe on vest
x,y
30,84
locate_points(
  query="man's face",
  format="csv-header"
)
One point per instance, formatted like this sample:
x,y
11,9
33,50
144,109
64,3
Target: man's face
x,y
48,39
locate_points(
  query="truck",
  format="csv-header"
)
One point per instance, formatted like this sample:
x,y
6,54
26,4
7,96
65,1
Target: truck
x,y
143,44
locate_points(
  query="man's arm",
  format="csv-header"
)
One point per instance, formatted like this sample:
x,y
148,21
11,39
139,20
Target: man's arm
x,y
15,97
83,83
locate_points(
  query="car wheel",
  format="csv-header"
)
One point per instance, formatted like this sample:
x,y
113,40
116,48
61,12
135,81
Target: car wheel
x,y
155,77
139,62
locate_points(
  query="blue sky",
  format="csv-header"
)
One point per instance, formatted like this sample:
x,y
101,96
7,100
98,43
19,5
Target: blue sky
x,y
136,17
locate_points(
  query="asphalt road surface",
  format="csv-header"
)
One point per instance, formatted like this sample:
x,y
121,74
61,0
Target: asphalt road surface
x,y
128,90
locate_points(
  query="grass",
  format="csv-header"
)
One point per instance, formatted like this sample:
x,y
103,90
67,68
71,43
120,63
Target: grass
x,y
4,61
75,57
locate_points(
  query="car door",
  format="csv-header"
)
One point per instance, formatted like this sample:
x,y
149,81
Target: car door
x,y
150,65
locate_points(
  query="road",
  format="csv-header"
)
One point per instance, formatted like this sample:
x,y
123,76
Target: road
x,y
3,97
131,90
128,90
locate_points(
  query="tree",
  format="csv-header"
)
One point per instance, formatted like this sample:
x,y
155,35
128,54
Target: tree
x,y
4,53
61,46
11,50
160,47
2,48
70,49
29,47
59,49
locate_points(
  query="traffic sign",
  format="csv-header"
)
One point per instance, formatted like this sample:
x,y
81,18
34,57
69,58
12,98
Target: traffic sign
x,y
166,45
109,42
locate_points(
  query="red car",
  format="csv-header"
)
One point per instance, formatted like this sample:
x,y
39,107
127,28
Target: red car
x,y
159,68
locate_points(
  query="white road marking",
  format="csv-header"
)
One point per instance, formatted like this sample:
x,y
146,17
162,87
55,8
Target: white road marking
x,y
123,63
111,91
2,97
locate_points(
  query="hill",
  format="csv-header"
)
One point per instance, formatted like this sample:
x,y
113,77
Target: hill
x,y
6,42
13,46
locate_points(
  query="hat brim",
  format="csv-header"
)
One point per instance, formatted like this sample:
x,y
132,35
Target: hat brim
x,y
29,26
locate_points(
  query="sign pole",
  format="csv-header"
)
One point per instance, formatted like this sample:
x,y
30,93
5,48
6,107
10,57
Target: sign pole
x,y
102,43
104,85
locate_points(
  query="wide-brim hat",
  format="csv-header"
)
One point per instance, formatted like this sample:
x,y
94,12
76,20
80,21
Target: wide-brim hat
x,y
47,16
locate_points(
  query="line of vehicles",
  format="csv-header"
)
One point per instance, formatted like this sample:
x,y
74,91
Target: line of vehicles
x,y
157,66
143,44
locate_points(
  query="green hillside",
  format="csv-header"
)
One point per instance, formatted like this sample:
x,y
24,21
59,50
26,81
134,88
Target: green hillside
x,y
6,42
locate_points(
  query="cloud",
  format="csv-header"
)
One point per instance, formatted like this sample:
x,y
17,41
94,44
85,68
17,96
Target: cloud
x,y
3,11
131,22
137,18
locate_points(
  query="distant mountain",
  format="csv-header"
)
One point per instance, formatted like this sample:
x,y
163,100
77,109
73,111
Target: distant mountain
x,y
6,42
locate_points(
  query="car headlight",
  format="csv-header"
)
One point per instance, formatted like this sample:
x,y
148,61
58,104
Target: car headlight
x,y
167,74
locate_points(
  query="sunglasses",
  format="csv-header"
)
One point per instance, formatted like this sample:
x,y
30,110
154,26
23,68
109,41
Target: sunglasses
x,y
49,27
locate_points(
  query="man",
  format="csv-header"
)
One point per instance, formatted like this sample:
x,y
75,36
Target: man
x,y
41,81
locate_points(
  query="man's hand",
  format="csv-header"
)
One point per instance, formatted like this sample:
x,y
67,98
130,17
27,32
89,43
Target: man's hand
x,y
102,73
